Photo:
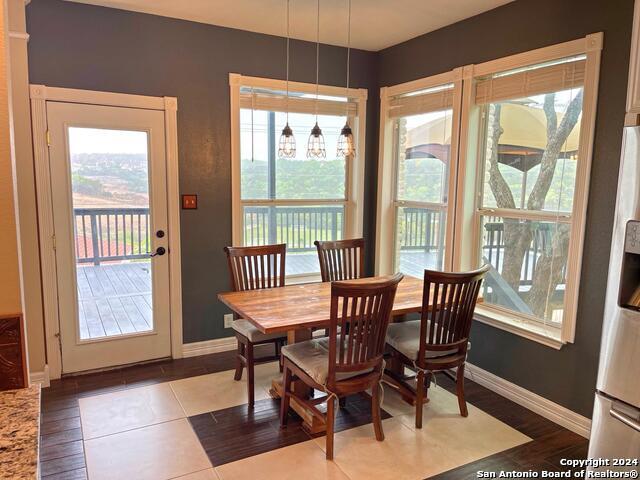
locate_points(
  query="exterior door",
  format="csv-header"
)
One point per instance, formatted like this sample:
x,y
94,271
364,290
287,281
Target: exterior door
x,y
109,194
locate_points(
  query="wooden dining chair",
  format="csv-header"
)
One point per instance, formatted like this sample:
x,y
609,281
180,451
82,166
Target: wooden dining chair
x,y
343,364
253,268
438,341
341,259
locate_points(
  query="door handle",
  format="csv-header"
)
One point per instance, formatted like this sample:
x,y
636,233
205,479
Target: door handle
x,y
629,422
159,251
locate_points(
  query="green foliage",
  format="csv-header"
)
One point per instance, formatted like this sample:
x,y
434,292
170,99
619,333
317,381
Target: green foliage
x,y
88,186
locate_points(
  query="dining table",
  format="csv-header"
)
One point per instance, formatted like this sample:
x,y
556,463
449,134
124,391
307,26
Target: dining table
x,y
300,309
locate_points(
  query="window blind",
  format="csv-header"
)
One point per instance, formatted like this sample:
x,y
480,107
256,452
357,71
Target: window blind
x,y
553,78
402,106
278,103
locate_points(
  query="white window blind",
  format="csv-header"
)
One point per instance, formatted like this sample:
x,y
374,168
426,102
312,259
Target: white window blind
x,y
278,103
552,78
433,100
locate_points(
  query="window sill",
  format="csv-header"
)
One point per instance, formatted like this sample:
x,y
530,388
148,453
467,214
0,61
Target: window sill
x,y
548,336
302,278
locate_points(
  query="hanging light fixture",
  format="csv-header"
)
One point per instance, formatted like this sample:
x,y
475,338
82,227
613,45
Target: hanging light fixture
x,y
315,145
346,145
287,144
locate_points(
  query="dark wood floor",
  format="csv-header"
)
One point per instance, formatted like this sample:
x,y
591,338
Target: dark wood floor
x,y
62,454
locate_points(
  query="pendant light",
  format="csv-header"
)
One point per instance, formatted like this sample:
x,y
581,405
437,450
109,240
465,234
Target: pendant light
x,y
287,144
315,145
346,145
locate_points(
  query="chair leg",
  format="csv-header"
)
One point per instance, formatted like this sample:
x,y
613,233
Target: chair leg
x,y
239,364
331,416
278,345
284,401
250,372
375,412
460,391
419,398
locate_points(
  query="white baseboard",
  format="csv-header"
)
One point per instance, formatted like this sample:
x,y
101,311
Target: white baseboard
x,y
209,346
534,402
41,378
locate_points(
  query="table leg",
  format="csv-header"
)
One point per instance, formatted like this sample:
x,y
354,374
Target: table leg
x,y
311,423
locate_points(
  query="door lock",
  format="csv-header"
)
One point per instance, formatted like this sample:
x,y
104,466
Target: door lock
x,y
160,233
159,251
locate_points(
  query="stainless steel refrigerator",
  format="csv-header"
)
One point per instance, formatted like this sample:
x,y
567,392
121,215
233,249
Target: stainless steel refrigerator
x,y
615,430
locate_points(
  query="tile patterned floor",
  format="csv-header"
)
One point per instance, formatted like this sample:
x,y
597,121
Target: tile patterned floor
x,y
188,419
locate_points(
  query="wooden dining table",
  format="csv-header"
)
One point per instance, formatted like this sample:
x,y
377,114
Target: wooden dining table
x,y
298,310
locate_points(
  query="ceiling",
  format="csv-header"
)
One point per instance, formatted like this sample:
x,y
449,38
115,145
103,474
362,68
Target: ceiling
x,y
376,24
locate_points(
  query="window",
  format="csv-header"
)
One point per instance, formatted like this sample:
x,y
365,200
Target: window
x,y
512,195
294,200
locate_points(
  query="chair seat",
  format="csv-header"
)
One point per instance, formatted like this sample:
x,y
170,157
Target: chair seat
x,y
245,328
405,338
312,356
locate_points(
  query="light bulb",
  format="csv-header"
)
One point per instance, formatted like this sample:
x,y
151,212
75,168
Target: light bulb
x,y
346,146
287,144
315,145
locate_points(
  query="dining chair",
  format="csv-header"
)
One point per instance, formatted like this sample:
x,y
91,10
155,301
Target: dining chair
x,y
343,364
438,341
341,259
253,268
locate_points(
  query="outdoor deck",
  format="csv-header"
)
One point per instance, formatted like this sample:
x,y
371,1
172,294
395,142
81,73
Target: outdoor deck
x,y
114,299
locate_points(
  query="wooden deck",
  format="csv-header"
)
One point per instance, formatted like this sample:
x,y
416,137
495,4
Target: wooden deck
x,y
114,299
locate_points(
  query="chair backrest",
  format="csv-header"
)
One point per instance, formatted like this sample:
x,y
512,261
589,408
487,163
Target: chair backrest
x,y
253,268
341,259
449,300
362,310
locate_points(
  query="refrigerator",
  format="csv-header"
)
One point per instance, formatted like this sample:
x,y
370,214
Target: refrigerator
x,y
615,428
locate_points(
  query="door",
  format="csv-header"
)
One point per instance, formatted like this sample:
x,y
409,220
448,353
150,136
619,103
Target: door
x,y
109,194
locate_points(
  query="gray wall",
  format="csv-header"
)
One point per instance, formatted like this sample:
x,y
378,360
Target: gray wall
x,y
87,47
567,376
80,46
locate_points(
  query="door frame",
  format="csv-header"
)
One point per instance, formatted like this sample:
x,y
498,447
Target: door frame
x,y
39,95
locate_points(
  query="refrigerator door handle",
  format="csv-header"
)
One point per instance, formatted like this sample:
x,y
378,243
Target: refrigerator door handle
x,y
626,420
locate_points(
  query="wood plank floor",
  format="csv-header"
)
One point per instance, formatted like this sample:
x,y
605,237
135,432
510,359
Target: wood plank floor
x,y
114,299
62,453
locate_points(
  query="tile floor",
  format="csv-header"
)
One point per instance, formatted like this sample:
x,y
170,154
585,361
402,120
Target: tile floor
x,y
199,428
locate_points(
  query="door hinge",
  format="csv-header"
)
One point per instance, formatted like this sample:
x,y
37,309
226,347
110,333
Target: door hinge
x,y
53,241
48,138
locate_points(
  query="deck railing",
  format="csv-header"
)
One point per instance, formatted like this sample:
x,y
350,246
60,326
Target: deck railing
x,y
111,234
124,233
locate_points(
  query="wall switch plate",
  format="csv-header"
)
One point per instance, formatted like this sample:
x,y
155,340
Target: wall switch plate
x,y
228,320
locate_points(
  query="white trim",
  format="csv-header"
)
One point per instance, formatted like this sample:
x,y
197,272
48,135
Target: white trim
x,y
173,214
209,346
40,94
532,401
40,378
109,99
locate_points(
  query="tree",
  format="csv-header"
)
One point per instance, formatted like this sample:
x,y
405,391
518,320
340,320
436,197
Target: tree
x,y
517,234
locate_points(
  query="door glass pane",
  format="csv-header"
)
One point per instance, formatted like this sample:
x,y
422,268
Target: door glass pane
x,y
298,227
420,235
110,187
527,277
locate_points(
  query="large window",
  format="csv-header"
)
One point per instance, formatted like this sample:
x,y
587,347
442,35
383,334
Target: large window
x,y
294,200
509,190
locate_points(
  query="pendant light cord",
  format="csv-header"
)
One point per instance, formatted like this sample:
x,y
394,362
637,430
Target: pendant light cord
x,y
317,57
348,54
288,38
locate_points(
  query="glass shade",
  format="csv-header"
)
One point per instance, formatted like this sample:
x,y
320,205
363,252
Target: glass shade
x,y
287,144
346,146
315,145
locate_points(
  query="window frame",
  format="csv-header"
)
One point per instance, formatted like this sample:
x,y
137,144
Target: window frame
x,y
354,172
388,203
465,200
